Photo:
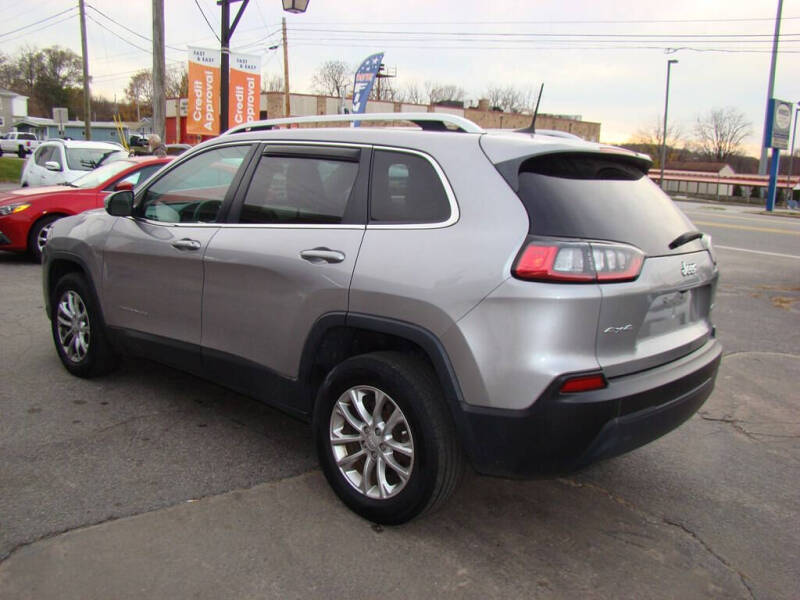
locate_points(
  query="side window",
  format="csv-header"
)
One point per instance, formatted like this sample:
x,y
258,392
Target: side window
x,y
139,176
193,191
297,189
55,155
42,155
405,188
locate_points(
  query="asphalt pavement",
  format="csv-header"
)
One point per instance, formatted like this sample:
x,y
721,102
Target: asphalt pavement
x,y
153,484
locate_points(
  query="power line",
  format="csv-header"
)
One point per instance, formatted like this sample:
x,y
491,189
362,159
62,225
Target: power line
x,y
130,43
548,48
553,22
27,33
200,8
39,21
144,37
504,34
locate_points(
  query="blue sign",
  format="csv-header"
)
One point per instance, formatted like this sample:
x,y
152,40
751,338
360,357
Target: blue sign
x,y
365,78
779,121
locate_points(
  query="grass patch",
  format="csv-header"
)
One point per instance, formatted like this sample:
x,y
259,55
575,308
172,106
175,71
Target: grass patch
x,y
10,169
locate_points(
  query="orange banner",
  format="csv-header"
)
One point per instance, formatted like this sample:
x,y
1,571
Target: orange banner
x,y
204,78
244,90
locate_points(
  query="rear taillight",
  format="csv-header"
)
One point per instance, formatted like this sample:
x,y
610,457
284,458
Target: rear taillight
x,y
578,262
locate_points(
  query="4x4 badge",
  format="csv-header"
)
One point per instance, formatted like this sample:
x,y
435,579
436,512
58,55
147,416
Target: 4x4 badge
x,y
688,268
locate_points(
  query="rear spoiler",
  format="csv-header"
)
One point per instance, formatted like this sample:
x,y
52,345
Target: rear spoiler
x,y
510,169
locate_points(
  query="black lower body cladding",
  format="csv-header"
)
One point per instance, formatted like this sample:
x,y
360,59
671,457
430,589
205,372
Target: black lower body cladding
x,y
564,432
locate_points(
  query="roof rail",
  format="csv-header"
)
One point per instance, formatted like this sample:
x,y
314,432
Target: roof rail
x,y
426,121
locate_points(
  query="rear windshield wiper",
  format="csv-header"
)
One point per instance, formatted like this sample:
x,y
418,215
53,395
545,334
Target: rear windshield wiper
x,y
685,238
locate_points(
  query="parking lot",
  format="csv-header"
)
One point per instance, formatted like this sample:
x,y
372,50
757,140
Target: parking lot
x,y
151,483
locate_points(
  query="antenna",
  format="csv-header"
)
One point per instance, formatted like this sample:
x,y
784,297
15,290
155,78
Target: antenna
x,y
532,128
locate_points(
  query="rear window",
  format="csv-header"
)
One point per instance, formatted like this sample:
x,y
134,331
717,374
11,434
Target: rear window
x,y
27,136
602,198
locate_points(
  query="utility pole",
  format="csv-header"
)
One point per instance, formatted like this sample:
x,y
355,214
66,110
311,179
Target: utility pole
x,y
762,163
286,104
159,71
87,94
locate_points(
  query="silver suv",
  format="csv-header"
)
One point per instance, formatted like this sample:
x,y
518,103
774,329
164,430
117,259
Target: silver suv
x,y
524,303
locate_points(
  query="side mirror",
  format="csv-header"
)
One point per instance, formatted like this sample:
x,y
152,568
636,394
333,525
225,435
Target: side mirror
x,y
120,204
52,165
124,186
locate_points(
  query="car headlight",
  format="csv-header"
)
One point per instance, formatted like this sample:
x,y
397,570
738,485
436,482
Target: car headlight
x,y
10,209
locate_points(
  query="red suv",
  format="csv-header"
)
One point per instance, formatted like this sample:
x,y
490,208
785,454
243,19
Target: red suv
x,y
27,214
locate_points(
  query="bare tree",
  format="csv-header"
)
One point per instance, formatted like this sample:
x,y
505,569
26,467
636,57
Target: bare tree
x,y
437,92
331,78
384,89
140,92
649,138
410,93
272,83
177,82
510,98
720,132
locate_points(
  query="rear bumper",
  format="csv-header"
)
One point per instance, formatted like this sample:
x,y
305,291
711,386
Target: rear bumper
x,y
563,432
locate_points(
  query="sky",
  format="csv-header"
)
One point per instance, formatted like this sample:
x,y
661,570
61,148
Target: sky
x,y
605,61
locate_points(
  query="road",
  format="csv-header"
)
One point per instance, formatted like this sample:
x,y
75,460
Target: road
x,y
151,484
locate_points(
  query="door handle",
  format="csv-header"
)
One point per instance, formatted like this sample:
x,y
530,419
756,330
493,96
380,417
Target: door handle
x,y
186,244
318,255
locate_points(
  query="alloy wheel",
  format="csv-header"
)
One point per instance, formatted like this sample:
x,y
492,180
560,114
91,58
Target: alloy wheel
x,y
371,442
72,320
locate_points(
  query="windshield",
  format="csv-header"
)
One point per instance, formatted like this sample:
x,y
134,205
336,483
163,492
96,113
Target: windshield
x,y
86,159
102,174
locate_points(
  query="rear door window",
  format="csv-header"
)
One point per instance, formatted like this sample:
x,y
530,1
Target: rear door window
x,y
300,190
405,188
599,197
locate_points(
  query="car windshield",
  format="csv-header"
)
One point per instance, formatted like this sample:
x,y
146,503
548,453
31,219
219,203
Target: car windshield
x,y
102,174
86,159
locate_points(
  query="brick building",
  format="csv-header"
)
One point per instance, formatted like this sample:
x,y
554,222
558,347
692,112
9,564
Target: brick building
x,y
272,107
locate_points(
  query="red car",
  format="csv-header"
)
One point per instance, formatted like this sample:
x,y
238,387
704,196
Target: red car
x,y
27,214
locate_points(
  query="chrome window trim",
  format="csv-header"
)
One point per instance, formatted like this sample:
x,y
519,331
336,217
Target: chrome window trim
x,y
455,214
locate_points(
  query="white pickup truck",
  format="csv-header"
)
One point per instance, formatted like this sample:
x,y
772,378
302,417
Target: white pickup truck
x,y
19,143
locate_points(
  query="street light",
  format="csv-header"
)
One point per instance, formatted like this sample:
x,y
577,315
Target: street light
x,y
295,6
670,62
791,153
292,6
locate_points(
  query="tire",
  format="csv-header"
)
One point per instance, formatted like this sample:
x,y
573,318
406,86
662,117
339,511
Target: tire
x,y
78,329
418,454
37,237
21,152
1,151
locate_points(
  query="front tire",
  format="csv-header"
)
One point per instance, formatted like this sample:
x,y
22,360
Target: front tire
x,y
78,330
37,238
384,437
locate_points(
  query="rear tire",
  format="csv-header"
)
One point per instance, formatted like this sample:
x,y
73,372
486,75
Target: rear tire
x,y
384,437
78,330
21,152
